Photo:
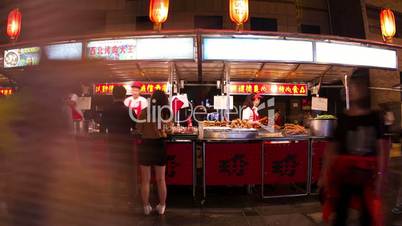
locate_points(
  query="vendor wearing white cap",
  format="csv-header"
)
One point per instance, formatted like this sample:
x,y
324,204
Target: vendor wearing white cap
x,y
136,102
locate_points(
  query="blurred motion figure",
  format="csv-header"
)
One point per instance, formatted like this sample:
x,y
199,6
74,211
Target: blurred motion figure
x,y
118,124
355,160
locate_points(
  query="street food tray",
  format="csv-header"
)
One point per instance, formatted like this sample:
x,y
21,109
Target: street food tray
x,y
228,133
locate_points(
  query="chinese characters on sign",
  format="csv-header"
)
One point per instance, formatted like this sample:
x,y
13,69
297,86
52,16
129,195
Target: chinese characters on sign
x,y
6,91
123,49
286,166
279,89
285,163
146,88
233,166
142,49
233,163
179,167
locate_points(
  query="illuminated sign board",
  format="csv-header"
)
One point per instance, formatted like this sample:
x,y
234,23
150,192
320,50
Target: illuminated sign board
x,y
142,49
274,89
64,51
5,91
257,49
21,57
146,88
335,53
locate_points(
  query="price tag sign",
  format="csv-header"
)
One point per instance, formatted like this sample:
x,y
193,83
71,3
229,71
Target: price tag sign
x,y
319,104
221,102
84,103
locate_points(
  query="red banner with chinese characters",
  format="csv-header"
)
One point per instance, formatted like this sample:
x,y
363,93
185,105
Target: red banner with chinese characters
x,y
6,91
179,168
274,89
318,150
285,162
232,163
146,88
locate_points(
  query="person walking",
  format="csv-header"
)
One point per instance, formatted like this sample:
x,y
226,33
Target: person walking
x,y
117,123
152,152
354,163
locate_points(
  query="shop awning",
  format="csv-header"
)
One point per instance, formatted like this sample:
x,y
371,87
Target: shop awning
x,y
203,55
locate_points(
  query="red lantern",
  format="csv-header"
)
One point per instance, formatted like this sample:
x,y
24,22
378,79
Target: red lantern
x,y
14,24
158,12
388,27
238,10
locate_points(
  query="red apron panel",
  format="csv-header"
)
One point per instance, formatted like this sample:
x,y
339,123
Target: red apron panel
x,y
233,163
179,169
285,163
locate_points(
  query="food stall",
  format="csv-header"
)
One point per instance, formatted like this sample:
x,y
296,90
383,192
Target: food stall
x,y
155,70
239,63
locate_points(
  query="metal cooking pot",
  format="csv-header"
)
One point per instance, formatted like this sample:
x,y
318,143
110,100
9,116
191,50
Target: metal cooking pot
x,y
322,127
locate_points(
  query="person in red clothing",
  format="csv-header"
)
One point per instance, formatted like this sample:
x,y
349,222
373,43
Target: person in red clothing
x,y
250,108
354,162
76,113
136,102
278,118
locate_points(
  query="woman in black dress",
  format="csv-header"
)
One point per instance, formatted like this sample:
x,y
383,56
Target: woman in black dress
x,y
151,126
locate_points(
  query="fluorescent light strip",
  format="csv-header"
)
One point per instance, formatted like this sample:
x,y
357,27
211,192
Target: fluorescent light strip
x,y
355,55
165,49
64,51
253,49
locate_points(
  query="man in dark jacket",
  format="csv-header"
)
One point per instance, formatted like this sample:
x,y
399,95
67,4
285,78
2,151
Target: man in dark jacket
x,y
117,123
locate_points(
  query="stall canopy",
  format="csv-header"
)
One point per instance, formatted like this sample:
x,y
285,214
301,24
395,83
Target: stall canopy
x,y
205,56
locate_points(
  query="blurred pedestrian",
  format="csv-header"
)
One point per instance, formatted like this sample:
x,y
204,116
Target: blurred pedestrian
x,y
152,153
354,163
118,124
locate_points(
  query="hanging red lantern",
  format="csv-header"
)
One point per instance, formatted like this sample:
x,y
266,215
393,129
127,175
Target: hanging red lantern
x,y
158,12
388,27
238,10
14,24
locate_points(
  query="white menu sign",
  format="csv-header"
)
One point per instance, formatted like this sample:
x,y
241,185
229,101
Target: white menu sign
x,y
319,104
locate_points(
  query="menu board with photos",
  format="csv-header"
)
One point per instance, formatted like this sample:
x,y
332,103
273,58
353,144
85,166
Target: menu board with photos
x,y
21,57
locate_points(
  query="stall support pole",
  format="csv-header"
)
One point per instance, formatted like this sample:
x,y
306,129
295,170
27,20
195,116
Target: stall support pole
x,y
262,168
346,84
204,186
310,165
194,169
227,79
171,80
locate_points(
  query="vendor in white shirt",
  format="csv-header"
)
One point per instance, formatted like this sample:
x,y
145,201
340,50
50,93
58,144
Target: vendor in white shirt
x,y
250,108
136,102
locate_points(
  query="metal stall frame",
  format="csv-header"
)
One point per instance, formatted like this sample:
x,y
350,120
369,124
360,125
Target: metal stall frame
x,y
290,139
194,162
203,151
